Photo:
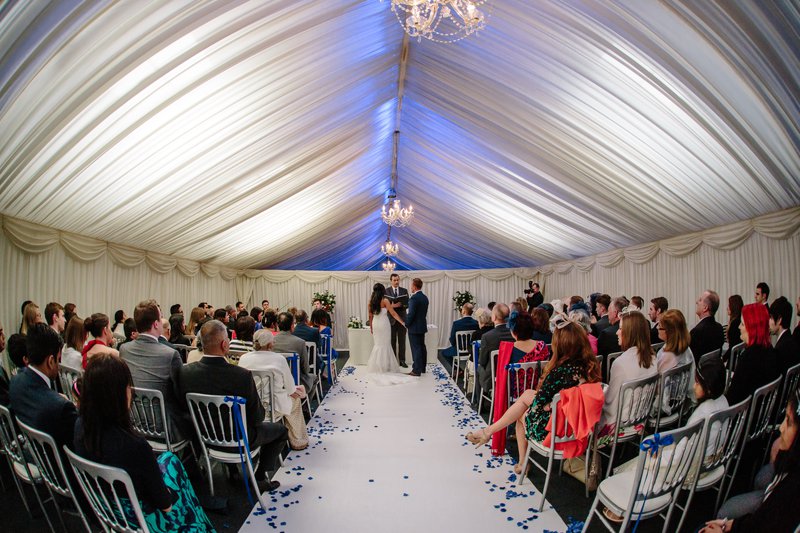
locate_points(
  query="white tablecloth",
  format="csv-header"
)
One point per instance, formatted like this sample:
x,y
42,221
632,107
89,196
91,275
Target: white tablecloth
x,y
359,343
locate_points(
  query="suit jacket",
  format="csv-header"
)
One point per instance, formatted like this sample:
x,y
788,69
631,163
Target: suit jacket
x,y
35,404
788,352
534,300
756,367
401,311
796,334
601,324
154,365
490,341
285,342
654,334
214,375
465,323
607,341
417,317
707,336
308,334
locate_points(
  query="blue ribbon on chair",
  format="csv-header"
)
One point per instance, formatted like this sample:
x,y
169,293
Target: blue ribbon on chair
x,y
241,437
294,363
650,446
513,366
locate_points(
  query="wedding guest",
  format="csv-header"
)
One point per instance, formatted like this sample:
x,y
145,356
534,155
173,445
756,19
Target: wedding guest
x,y
607,340
707,335
541,326
54,316
465,323
778,510
97,325
580,315
118,329
245,328
22,313
658,306
222,315
674,333
490,342
780,316
758,363
75,338
571,364
177,331
638,302
70,310
709,390
484,318
637,361
30,317
304,330
321,320
270,320
287,395
735,304
129,327
195,318
762,294
104,434
593,316
286,342
602,305
257,314
17,352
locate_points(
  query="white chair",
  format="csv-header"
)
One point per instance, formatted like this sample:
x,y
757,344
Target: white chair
x,y
22,470
520,377
67,377
149,417
463,338
758,423
654,485
234,356
215,423
489,395
48,462
551,453
293,358
476,349
736,351
657,346
264,380
106,487
636,398
311,355
671,402
721,438
788,386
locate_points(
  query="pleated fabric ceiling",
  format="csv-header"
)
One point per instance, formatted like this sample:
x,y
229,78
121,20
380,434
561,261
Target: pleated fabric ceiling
x,y
259,134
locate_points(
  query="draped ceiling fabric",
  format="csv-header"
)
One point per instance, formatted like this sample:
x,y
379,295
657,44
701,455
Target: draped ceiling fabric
x,y
257,135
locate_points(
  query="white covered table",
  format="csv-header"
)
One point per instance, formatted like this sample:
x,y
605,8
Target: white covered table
x,y
359,342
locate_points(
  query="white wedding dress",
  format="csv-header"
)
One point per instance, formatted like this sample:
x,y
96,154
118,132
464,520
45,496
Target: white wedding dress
x,y
382,366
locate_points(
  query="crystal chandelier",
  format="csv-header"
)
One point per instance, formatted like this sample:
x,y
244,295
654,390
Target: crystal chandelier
x,y
397,215
440,20
388,265
390,249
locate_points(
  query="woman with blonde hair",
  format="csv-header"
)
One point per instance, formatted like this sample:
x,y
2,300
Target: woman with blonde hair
x,y
75,338
673,331
31,315
572,363
197,314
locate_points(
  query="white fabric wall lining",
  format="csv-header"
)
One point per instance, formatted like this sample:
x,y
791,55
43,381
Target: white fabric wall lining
x,y
730,259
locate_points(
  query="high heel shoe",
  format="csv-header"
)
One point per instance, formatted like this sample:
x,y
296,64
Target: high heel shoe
x,y
479,438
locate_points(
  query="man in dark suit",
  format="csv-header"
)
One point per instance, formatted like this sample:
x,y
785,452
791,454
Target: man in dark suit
x,y
33,397
607,342
490,341
308,333
214,375
708,335
465,323
417,325
156,366
602,304
533,296
762,294
780,313
287,342
658,307
398,296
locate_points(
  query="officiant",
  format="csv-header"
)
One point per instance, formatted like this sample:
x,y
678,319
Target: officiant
x,y
398,297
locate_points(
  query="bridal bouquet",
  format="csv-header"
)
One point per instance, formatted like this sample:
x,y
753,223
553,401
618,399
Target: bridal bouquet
x,y
354,322
327,298
462,298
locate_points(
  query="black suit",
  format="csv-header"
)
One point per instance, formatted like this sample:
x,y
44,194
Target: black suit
x,y
417,325
465,323
398,331
214,375
796,334
607,342
601,324
756,367
34,403
707,336
534,299
734,337
788,352
654,334
490,341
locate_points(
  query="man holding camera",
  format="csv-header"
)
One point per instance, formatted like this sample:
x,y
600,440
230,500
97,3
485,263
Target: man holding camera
x,y
533,296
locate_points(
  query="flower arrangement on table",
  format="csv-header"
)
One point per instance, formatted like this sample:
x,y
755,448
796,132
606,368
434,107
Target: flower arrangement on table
x,y
327,299
354,322
462,298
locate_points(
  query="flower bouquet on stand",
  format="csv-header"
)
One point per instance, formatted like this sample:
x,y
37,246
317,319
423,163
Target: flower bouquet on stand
x,y
354,322
462,298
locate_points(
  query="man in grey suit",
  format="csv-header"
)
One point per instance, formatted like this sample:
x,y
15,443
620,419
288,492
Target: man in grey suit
x,y
490,341
285,342
398,296
156,366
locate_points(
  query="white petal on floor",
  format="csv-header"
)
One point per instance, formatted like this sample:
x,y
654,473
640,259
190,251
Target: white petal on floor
x,y
394,458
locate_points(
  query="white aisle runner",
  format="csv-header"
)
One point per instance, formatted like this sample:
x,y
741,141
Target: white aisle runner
x,y
394,458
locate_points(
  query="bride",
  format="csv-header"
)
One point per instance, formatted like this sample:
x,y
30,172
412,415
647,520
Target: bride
x,y
382,359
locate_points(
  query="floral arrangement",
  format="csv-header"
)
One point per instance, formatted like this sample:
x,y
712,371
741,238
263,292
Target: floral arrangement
x,y
462,298
355,322
327,298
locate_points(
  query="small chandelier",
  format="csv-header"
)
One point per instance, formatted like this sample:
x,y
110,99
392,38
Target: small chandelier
x,y
440,20
390,249
397,215
388,265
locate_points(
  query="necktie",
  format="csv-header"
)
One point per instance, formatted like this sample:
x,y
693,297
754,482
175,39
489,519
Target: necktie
x,y
395,293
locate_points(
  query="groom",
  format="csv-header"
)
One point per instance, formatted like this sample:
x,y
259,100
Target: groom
x,y
417,325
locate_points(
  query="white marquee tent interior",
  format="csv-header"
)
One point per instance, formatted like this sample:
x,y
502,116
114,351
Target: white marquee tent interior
x,y
218,151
